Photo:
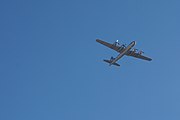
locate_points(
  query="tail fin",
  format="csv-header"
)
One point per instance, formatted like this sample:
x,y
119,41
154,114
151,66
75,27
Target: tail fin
x,y
108,61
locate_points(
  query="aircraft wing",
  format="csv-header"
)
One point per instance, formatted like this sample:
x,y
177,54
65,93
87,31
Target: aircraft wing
x,y
116,48
137,55
121,49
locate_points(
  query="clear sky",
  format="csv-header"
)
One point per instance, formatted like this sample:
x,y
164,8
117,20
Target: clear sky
x,y
51,67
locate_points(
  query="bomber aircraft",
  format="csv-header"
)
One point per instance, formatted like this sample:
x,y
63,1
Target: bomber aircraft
x,y
123,50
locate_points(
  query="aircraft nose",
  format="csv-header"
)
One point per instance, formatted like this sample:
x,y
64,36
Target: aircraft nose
x,y
134,42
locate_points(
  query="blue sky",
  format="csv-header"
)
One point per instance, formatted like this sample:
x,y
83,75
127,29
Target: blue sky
x,y
51,66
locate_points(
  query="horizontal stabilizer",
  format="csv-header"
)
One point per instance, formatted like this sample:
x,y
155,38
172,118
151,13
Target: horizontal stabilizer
x,y
108,61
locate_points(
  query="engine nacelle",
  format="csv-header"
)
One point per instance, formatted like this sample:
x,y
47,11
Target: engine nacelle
x,y
140,52
116,43
135,50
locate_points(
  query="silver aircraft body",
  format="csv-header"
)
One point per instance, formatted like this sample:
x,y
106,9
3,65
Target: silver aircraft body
x,y
123,50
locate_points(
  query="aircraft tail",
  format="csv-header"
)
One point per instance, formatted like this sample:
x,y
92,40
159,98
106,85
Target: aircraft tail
x,y
108,61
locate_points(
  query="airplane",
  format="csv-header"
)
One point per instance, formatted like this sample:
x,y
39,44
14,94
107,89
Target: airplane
x,y
123,50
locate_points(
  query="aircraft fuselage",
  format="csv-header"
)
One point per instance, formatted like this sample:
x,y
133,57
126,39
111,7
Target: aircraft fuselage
x,y
124,52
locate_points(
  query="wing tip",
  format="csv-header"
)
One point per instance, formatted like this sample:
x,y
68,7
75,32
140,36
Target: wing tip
x,y
149,59
98,40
